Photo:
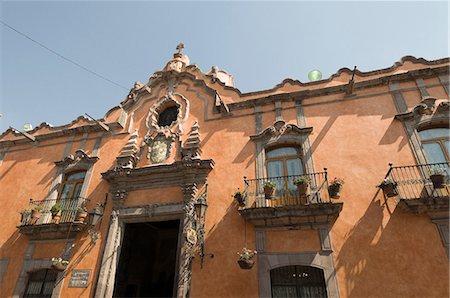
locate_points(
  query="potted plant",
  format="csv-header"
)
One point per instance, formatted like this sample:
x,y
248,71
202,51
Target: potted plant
x,y
269,189
246,260
24,216
81,214
239,197
389,187
335,187
36,212
56,212
437,177
302,184
59,264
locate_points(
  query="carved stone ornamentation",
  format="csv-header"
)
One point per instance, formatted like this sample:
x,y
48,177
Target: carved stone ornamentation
x,y
118,198
191,149
78,161
127,158
188,248
159,148
281,132
428,112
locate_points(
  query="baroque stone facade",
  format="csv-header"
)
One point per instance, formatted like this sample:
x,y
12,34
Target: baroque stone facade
x,y
188,147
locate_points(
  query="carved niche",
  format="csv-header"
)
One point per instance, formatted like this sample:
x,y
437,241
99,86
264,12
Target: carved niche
x,y
162,134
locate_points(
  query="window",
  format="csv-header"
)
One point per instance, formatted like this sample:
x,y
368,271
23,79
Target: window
x,y
41,284
282,163
298,281
168,116
436,144
71,186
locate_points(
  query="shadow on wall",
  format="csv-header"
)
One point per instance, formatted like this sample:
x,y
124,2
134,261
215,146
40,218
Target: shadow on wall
x,y
379,255
225,239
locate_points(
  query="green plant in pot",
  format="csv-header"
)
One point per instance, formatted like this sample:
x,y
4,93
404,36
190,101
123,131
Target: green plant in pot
x,y
302,184
269,189
389,187
335,187
56,212
438,177
239,197
246,258
59,264
56,209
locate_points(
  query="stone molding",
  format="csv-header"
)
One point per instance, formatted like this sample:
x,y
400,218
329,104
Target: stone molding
x,y
322,260
178,173
428,113
310,216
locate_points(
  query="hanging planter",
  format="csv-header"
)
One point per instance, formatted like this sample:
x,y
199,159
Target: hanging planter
x,y
335,187
240,198
389,188
246,264
246,258
59,264
269,189
437,177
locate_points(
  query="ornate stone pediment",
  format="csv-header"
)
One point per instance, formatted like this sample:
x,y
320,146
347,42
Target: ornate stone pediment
x,y
281,132
429,111
78,161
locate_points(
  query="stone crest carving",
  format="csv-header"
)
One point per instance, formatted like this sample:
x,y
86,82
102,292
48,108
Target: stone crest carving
x,y
159,148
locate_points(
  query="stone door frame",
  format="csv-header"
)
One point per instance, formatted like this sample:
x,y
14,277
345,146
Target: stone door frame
x,y
111,251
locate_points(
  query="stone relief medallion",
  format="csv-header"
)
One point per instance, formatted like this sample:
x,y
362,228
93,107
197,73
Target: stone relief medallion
x,y
159,149
191,236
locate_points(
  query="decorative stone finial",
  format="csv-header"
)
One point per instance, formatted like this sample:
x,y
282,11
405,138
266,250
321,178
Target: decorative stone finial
x,y
179,47
179,60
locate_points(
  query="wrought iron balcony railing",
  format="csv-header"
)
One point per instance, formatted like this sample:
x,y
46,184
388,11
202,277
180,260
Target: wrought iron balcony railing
x,y
286,192
414,182
40,212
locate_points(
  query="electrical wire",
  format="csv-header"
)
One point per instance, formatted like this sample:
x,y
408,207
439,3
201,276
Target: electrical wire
x,y
62,56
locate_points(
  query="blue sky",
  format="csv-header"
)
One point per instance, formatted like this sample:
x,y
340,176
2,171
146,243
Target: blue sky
x,y
260,43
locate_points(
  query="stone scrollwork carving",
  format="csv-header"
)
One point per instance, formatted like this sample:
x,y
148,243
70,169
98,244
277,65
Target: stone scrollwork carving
x,y
281,132
118,198
429,111
78,161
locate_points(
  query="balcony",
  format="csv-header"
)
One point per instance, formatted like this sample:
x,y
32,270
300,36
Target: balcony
x,y
287,207
416,191
40,222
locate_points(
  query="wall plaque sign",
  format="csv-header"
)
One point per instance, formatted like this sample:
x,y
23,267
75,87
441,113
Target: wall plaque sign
x,y
79,278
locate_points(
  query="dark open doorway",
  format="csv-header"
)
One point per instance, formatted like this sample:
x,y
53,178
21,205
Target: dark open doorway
x,y
147,263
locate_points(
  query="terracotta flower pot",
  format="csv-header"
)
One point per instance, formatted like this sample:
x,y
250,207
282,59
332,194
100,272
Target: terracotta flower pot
x,y
81,216
35,214
246,264
389,189
438,180
333,191
302,188
269,192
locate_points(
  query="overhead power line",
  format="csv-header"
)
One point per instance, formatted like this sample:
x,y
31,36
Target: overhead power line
x,y
62,56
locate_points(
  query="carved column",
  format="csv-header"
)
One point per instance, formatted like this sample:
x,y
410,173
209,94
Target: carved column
x,y
106,278
187,247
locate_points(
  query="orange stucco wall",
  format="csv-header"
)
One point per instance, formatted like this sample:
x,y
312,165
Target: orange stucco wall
x,y
378,250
